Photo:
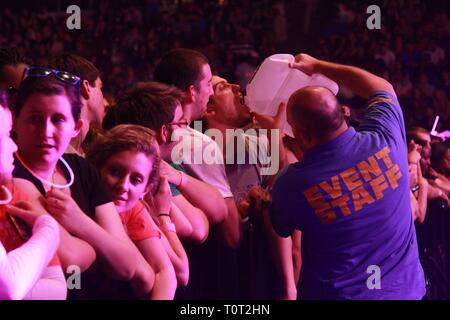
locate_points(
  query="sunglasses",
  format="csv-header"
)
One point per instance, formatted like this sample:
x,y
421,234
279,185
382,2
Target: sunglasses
x,y
40,72
63,76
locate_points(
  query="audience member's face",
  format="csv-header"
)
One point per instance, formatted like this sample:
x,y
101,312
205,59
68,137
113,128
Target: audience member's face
x,y
12,75
44,128
97,104
228,104
178,122
203,92
425,141
7,146
126,175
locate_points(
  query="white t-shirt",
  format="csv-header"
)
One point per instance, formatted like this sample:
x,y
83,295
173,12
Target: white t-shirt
x,y
201,157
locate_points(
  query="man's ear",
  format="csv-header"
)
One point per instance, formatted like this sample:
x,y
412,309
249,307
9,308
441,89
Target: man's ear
x,y
162,134
85,89
191,94
78,127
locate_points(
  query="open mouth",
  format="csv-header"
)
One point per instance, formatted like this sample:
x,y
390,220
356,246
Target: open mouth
x,y
45,146
241,99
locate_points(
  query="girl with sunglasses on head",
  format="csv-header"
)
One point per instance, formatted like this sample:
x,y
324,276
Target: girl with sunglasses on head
x,y
27,270
128,158
47,113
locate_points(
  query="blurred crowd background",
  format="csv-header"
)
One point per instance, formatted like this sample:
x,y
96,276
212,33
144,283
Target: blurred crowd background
x,y
126,38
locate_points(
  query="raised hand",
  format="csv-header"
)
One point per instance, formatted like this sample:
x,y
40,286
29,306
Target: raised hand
x,y
305,63
414,153
172,174
163,198
269,122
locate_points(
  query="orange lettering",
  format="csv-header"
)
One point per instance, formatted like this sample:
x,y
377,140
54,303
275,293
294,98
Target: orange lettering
x,y
320,206
360,197
394,175
384,154
351,178
335,190
378,185
342,204
315,199
368,168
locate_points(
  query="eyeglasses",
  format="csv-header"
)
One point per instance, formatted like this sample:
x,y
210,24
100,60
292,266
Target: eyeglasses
x,y
181,124
40,72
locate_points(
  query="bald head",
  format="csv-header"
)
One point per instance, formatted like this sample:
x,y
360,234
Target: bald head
x,y
316,111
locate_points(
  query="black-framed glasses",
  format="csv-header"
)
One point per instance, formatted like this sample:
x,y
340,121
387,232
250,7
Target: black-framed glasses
x,y
181,124
40,72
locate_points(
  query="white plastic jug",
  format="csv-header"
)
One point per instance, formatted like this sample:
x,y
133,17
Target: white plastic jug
x,y
274,82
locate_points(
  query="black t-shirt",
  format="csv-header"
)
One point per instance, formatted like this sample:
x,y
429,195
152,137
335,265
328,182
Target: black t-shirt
x,y
88,189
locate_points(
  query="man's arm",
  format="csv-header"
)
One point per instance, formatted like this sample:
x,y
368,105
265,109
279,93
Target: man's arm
x,y
361,82
230,228
282,253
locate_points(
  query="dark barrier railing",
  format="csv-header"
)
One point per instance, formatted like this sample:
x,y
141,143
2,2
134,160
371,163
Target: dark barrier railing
x,y
434,239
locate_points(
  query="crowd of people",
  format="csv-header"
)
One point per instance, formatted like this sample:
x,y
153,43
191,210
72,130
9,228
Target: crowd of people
x,y
146,194
128,37
410,50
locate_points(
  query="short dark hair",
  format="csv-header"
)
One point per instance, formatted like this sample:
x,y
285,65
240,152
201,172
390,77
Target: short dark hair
x,y
11,57
149,104
411,134
77,65
49,85
180,67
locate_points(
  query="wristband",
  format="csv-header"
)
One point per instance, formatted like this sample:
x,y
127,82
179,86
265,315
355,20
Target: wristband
x,y
415,188
168,227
